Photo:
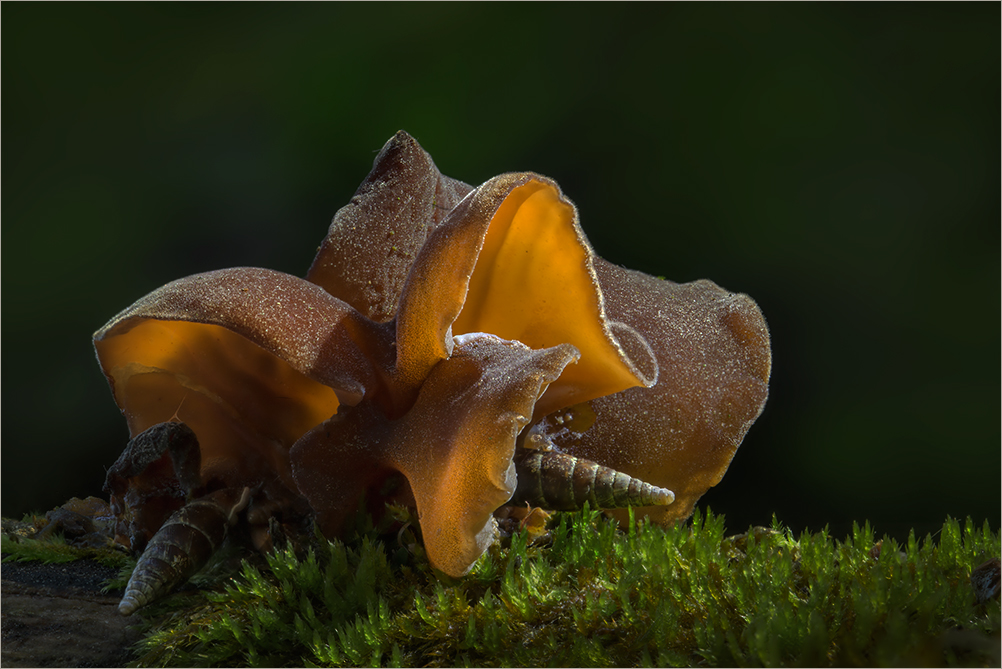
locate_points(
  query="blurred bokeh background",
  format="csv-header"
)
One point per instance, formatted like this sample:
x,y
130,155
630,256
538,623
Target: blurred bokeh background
x,y
839,163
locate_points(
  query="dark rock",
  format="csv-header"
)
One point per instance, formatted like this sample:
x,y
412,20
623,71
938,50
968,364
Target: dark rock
x,y
54,615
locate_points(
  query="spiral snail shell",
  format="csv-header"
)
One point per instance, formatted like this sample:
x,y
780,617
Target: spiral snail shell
x,y
562,482
182,546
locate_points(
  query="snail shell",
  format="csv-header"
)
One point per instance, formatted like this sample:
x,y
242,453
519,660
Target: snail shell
x,y
165,512
562,482
182,546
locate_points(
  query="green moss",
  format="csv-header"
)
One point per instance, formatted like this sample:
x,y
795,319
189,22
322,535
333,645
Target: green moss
x,y
596,596
583,594
53,551
17,547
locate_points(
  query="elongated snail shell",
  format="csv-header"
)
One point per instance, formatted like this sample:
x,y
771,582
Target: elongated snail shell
x,y
182,546
562,482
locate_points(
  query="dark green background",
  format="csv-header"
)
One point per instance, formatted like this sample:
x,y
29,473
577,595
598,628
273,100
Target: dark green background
x,y
839,163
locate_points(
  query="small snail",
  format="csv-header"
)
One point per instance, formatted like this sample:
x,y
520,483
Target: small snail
x,y
437,324
182,546
551,479
562,482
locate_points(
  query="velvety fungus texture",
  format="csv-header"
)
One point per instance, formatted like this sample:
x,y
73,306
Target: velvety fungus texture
x,y
436,323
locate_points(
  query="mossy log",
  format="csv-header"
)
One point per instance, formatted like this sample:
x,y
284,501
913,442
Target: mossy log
x,y
582,592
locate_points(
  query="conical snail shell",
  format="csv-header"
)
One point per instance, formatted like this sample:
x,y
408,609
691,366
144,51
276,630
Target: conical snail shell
x,y
562,482
182,546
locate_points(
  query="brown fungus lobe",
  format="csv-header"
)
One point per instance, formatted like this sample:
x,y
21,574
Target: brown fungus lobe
x,y
436,322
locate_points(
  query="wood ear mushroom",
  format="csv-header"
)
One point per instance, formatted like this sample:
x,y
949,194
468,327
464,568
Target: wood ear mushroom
x,y
437,324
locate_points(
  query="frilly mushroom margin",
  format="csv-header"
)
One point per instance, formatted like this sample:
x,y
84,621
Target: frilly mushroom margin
x,y
436,323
